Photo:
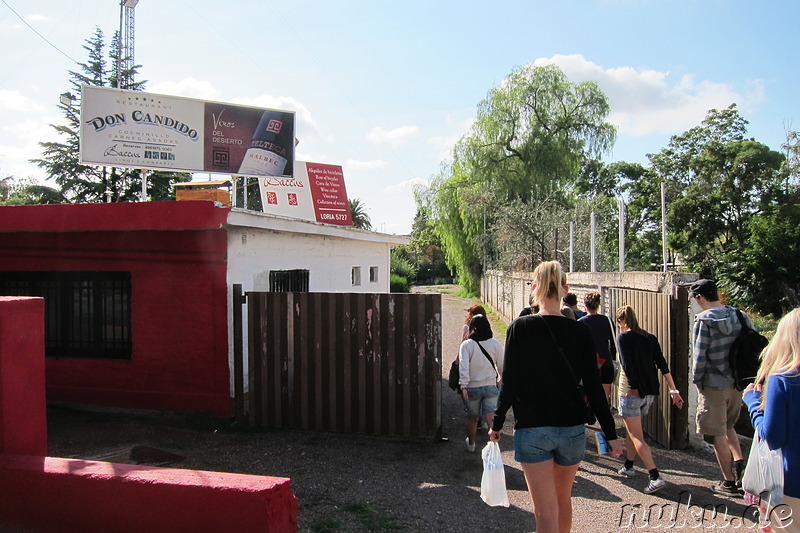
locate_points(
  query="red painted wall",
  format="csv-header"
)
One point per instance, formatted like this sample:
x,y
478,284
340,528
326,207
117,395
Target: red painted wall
x,y
176,254
77,496
23,427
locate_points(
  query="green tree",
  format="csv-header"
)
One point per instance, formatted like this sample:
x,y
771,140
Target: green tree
x,y
27,192
60,159
358,213
716,180
530,137
766,276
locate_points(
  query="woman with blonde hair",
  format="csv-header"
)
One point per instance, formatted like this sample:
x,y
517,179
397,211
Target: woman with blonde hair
x,y
774,405
547,358
638,384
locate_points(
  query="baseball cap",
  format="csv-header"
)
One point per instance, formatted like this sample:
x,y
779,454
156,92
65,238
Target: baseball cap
x,y
703,287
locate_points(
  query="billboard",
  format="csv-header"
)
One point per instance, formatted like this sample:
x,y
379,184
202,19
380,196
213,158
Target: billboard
x,y
315,192
154,131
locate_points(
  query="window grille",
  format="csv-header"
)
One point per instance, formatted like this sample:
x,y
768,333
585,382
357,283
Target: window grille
x,y
288,280
87,314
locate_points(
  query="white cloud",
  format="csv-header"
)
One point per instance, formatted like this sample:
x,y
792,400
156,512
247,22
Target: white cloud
x,y
646,101
393,137
189,87
408,185
354,164
16,101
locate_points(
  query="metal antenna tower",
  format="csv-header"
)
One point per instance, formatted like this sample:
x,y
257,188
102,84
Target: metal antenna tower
x,y
125,61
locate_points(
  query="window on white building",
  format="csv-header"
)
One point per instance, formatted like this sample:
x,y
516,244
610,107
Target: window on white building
x,y
373,274
288,280
355,276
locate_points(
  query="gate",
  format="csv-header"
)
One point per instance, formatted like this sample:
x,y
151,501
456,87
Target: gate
x,y
342,362
665,316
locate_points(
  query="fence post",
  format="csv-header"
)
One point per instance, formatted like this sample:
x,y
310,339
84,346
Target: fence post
x,y
238,354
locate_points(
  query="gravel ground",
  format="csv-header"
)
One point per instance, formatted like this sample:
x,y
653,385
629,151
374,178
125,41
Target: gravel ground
x,y
357,483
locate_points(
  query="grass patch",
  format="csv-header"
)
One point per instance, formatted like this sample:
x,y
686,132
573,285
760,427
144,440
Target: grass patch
x,y
463,293
373,517
765,325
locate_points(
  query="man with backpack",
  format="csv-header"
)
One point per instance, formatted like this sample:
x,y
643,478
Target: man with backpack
x,y
716,330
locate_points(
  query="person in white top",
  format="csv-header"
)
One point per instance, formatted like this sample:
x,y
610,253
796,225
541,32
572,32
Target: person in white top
x,y
480,364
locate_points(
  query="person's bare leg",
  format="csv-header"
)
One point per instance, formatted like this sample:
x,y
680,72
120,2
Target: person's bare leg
x,y
633,426
488,418
733,445
723,452
540,478
565,477
472,428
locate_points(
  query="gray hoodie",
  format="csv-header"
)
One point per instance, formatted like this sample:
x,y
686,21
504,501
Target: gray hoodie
x,y
715,330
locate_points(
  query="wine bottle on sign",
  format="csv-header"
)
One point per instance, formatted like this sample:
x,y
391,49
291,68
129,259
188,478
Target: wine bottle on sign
x,y
266,155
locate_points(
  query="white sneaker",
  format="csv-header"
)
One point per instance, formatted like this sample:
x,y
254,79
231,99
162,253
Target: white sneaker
x,y
470,447
629,472
654,485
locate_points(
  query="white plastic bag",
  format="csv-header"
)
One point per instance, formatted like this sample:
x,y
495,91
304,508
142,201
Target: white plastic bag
x,y
493,482
763,476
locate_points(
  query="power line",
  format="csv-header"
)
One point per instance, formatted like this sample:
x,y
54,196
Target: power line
x,y
39,34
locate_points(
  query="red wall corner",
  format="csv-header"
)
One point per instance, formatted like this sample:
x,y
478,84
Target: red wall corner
x,y
77,496
23,416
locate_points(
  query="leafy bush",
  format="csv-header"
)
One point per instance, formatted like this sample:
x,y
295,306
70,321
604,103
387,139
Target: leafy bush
x,y
398,284
400,267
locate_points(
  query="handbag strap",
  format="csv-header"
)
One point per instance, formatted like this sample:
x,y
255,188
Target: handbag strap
x,y
496,373
560,352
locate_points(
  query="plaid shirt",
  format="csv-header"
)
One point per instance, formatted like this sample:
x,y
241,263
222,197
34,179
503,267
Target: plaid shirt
x,y
715,330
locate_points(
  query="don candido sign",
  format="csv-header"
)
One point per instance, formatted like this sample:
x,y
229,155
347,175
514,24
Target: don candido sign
x,y
155,131
316,192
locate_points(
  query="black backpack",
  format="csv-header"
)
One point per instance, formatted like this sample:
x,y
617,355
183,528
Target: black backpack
x,y
744,354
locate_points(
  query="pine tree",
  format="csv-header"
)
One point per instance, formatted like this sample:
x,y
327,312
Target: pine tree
x,y
60,159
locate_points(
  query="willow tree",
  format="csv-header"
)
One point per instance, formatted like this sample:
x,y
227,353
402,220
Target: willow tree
x,y
525,149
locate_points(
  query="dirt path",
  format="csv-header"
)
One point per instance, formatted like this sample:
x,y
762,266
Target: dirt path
x,y
356,483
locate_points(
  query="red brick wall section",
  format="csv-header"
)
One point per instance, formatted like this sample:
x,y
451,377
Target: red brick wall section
x,y
76,496
23,423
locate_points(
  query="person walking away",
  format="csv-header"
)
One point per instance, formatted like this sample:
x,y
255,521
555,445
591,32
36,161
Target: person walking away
x,y
480,361
774,406
472,310
642,358
719,403
603,334
546,356
571,301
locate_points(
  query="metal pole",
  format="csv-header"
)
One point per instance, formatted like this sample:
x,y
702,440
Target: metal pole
x,y
571,245
144,185
594,231
120,45
664,224
621,235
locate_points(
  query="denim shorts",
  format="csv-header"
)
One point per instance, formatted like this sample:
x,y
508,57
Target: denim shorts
x,y
634,405
482,400
564,445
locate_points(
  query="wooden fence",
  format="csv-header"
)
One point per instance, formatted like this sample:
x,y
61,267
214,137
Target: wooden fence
x,y
341,362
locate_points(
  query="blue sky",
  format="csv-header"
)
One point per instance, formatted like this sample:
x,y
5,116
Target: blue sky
x,y
385,89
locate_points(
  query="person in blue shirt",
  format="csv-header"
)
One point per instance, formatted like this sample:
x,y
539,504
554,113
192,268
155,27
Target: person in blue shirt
x,y
774,405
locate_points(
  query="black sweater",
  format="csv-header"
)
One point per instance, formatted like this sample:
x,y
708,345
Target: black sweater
x,y
537,382
641,359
